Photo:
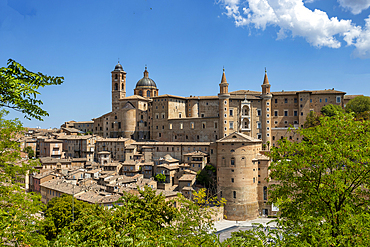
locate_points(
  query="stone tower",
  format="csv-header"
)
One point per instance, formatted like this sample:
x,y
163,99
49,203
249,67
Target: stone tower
x,y
223,110
266,110
118,86
237,175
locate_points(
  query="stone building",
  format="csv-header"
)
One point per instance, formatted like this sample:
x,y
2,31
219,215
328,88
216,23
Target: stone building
x,y
232,129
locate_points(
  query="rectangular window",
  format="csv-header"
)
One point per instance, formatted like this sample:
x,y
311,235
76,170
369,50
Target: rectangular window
x,y
232,180
285,100
295,113
295,100
192,125
258,125
276,113
320,100
231,112
285,113
326,100
203,125
179,115
231,125
338,99
310,100
181,126
234,194
119,125
275,101
258,112
170,127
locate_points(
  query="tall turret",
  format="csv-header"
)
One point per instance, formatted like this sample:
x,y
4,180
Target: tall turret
x,y
266,110
223,97
118,86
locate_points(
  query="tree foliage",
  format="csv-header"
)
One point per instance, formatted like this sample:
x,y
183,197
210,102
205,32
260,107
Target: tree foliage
x,y
323,182
29,152
19,211
312,120
144,220
358,105
160,177
331,110
18,89
59,214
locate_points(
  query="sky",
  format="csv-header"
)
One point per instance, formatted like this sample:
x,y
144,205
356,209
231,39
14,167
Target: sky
x,y
303,44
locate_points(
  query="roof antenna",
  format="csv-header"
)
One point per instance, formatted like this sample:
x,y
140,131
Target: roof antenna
x,y
265,70
146,66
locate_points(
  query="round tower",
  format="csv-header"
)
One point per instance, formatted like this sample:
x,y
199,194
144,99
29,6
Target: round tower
x,y
223,97
266,110
118,86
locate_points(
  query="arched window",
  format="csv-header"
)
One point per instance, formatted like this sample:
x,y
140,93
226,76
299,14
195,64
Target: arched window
x,y
148,93
246,110
155,93
141,93
115,86
116,76
122,76
232,161
246,124
265,193
122,86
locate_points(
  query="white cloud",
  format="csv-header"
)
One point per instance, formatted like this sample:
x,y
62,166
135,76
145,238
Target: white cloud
x,y
294,18
355,6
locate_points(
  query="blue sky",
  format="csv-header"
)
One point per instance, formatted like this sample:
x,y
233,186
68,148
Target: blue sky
x,y
313,44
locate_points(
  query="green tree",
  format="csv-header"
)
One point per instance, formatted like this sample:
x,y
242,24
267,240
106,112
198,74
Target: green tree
x,y
322,184
19,219
59,214
147,219
312,120
19,211
331,110
18,89
29,152
358,104
160,177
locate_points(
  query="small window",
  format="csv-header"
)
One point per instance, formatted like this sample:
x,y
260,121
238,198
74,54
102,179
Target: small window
x,y
295,113
258,112
285,113
295,100
234,194
276,101
338,99
285,100
232,180
320,100
326,100
276,113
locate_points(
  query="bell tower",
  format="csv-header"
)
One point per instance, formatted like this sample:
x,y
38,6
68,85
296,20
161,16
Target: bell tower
x,y
266,110
118,86
223,104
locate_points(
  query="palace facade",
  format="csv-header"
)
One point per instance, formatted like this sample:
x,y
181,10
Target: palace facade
x,y
233,128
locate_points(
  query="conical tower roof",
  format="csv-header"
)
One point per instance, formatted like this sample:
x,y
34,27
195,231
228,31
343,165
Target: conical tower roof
x,y
223,80
266,79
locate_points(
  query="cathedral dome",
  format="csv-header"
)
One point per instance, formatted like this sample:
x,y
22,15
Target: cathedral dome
x,y
146,81
118,67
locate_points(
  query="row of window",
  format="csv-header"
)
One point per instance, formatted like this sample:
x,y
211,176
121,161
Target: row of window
x,y
338,100
264,193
